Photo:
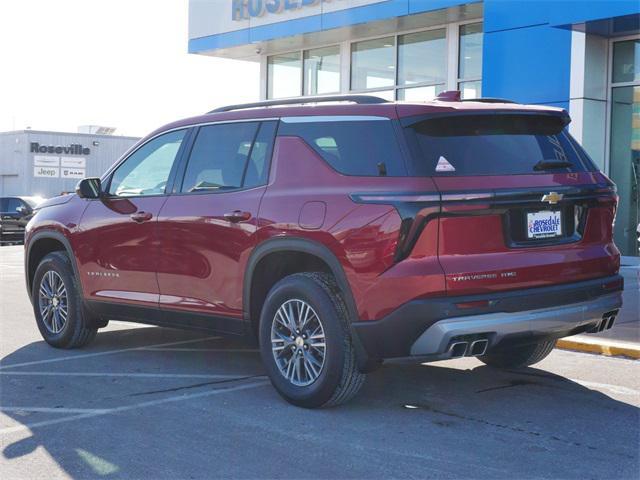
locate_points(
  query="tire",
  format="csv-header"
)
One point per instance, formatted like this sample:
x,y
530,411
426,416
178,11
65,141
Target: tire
x,y
75,330
519,357
337,379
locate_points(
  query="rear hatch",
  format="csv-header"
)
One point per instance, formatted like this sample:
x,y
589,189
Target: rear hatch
x,y
522,205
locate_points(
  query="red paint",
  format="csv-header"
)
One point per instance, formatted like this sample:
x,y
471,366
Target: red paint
x,y
190,251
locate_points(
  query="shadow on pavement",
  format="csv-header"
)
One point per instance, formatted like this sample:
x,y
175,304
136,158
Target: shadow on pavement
x,y
445,420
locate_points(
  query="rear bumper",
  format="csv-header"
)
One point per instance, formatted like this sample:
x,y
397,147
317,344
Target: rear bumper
x,y
427,328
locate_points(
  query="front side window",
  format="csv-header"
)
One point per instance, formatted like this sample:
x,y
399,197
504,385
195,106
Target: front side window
x,y
146,171
494,145
13,204
366,147
218,159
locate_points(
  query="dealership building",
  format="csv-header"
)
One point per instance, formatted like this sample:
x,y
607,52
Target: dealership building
x,y
583,56
46,164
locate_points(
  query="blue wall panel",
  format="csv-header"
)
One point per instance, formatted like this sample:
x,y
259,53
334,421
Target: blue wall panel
x,y
297,26
503,15
419,6
367,13
529,65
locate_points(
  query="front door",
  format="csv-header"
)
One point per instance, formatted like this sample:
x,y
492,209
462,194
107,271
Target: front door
x,y
624,160
117,247
207,227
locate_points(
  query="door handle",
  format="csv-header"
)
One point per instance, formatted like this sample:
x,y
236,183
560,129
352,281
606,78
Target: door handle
x,y
141,217
237,216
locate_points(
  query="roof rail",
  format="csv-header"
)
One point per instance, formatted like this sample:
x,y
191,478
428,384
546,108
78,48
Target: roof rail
x,y
359,99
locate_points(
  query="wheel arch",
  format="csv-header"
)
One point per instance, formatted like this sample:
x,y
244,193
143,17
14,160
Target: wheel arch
x,y
309,248
295,245
41,244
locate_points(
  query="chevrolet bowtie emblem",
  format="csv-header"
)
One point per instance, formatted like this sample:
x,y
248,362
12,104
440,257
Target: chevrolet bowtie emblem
x,y
552,197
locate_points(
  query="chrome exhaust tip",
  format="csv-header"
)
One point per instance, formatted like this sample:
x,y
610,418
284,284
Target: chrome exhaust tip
x,y
458,349
479,347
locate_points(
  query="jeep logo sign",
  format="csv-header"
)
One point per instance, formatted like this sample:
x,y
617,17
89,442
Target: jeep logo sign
x,y
74,149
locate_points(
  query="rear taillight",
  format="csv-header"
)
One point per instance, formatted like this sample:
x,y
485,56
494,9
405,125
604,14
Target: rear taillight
x,y
415,210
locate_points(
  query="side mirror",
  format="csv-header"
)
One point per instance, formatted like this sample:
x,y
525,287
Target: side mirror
x,y
22,210
89,188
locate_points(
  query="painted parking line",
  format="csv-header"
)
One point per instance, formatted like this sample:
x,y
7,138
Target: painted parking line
x,y
52,410
106,352
118,374
227,350
135,406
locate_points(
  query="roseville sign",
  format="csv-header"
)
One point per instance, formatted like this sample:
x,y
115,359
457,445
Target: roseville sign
x,y
244,9
73,149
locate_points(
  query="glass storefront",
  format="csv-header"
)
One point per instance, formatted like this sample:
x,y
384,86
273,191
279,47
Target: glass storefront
x,y
413,66
373,64
624,155
284,75
422,59
322,70
470,61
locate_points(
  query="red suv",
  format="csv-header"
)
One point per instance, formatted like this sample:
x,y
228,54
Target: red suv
x,y
340,231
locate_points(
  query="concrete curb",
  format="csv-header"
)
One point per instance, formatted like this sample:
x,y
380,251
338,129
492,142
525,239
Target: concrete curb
x,y
610,348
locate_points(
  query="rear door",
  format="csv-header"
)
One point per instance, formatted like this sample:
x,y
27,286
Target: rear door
x,y
207,227
522,205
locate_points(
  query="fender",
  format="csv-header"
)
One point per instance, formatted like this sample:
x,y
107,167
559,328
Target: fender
x,y
54,235
311,247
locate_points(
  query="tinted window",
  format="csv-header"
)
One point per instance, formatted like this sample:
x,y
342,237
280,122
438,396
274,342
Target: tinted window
x,y
146,171
367,147
219,156
13,204
258,165
493,145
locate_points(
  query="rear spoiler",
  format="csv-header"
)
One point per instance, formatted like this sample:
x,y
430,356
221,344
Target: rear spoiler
x,y
557,113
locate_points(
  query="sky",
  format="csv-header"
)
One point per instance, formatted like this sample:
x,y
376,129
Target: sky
x,y
117,63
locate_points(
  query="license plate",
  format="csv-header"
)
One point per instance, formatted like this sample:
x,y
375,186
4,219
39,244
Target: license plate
x,y
544,224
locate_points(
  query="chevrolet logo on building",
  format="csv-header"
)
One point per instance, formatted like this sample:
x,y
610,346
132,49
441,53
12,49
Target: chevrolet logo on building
x,y
552,197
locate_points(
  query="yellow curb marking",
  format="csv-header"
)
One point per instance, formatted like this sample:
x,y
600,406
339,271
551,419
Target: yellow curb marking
x,y
608,350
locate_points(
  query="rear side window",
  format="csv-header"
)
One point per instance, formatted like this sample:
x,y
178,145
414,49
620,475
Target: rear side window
x,y
257,171
228,156
493,145
219,156
352,147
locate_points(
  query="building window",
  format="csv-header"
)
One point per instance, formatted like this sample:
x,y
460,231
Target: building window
x,y
284,75
373,64
411,66
322,70
624,148
470,60
420,94
422,60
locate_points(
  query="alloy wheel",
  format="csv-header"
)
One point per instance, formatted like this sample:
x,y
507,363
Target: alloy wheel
x,y
298,342
53,301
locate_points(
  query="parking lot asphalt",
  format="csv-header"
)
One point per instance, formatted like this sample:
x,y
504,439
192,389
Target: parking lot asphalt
x,y
151,403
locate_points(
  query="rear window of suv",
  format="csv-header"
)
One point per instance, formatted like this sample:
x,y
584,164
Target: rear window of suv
x,y
494,145
352,146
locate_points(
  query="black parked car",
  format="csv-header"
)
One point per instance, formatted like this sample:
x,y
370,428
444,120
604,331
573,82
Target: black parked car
x,y
15,213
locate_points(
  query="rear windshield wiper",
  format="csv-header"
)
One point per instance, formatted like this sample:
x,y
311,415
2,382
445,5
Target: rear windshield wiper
x,y
551,164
